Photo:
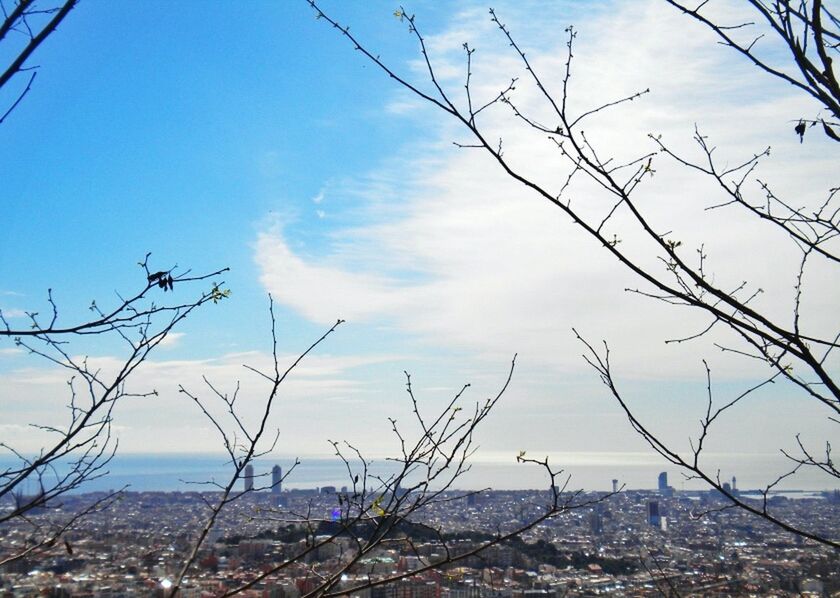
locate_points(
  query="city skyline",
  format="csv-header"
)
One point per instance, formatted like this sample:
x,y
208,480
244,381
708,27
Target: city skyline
x,y
630,544
183,473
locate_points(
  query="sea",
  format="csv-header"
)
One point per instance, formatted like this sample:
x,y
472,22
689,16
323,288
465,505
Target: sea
x,y
577,470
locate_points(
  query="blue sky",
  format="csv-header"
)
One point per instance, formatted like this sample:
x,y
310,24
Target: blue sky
x,y
258,140
179,134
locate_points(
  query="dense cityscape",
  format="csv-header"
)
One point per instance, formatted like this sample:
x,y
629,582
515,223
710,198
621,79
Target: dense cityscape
x,y
658,542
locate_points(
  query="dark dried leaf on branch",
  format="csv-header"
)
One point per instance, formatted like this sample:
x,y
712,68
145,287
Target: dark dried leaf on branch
x,y
828,131
800,130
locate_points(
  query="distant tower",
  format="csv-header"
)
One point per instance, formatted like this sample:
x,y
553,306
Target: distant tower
x,y
663,481
249,477
276,479
596,522
653,513
615,485
734,486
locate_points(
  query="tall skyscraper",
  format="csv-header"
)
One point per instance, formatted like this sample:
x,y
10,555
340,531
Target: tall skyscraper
x,y
663,480
653,513
615,485
249,477
276,479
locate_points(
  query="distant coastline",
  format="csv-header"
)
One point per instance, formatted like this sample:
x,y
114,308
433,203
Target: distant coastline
x,y
588,471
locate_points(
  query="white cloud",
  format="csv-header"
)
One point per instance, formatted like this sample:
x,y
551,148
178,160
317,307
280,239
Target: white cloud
x,y
362,296
458,255
172,339
404,106
468,258
322,388
13,313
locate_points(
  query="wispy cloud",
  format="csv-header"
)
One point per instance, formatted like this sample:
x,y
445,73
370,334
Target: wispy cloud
x,y
172,339
484,265
13,313
320,390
